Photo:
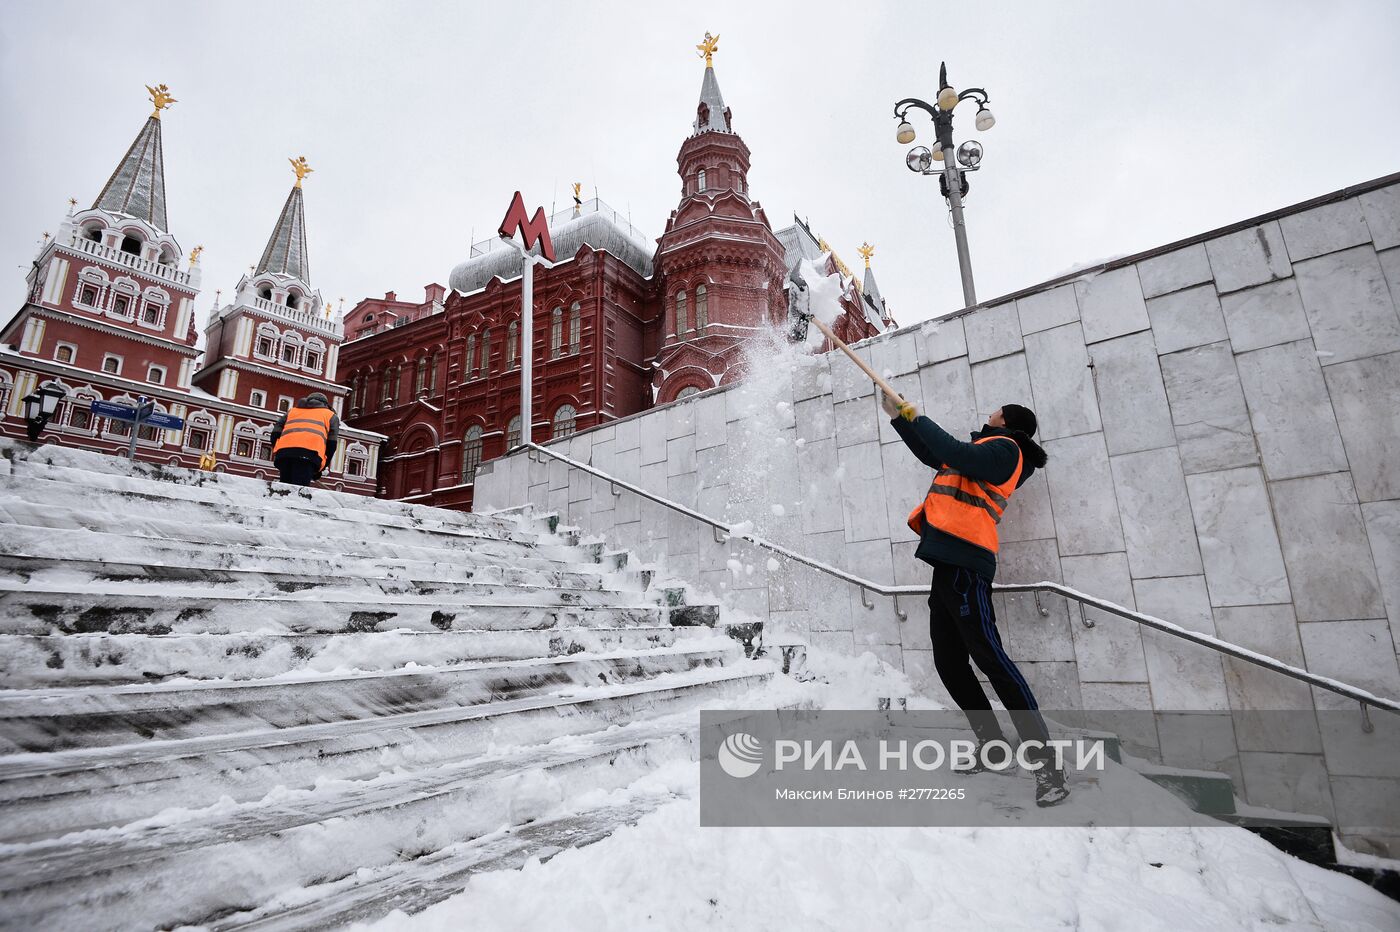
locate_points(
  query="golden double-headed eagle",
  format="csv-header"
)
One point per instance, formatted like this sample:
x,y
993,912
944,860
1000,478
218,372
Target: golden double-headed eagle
x,y
160,96
707,49
866,251
300,166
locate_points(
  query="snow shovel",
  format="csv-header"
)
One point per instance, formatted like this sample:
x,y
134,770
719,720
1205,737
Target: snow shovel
x,y
800,315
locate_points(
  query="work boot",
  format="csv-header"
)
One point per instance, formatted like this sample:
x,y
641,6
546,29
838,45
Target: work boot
x,y
1050,786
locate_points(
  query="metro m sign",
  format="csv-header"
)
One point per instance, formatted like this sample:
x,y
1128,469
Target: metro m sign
x,y
532,231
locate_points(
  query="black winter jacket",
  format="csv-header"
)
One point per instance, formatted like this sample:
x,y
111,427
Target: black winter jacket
x,y
990,462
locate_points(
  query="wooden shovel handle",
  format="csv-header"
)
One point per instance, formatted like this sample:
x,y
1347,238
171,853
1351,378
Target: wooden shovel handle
x,y
840,344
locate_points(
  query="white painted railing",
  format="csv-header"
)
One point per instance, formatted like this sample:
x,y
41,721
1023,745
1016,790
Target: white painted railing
x,y
296,315
168,273
724,531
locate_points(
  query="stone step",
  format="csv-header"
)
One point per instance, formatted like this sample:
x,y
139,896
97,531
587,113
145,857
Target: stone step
x,y
119,510
346,539
55,719
31,479
41,661
73,544
91,466
1205,791
51,794
132,876
116,578
413,886
29,610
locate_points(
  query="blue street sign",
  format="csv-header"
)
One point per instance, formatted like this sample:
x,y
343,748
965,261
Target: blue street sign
x,y
115,411
127,413
166,421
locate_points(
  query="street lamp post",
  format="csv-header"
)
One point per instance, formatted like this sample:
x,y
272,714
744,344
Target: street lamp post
x,y
39,407
953,180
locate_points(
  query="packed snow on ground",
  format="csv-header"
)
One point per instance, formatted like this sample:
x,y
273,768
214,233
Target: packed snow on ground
x,y
668,872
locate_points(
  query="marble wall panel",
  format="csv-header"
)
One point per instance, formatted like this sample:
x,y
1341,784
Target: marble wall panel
x,y
1248,257
1132,399
992,332
1183,319
1156,514
1111,304
1331,570
1349,305
1291,411
1062,382
1239,543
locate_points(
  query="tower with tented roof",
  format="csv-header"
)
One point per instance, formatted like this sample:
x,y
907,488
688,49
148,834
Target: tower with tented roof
x,y
108,293
276,340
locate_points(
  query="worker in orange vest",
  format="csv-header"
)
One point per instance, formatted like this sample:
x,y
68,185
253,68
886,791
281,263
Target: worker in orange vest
x,y
957,527
304,440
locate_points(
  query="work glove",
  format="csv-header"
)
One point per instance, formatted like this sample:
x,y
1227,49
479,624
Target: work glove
x,y
894,408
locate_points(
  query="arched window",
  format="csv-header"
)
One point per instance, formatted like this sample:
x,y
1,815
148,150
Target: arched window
x,y
565,421
153,308
265,293
432,374
471,356
471,453
93,232
293,299
740,183
681,322
512,343
291,349
575,327
265,347
556,333
485,353
420,382
701,185
92,287
131,244
79,410
513,433
702,308
124,299
315,353
389,383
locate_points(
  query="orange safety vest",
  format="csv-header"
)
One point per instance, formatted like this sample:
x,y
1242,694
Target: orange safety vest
x,y
306,429
966,508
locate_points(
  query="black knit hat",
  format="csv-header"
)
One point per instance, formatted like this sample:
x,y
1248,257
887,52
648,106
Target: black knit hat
x,y
1019,417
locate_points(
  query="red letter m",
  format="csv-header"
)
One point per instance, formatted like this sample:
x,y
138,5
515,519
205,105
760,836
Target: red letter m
x,y
531,231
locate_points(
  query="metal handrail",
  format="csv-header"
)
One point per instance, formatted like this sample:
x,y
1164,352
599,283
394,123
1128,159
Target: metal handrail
x,y
1362,696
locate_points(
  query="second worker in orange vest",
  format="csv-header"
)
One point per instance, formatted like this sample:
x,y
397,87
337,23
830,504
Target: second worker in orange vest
x,y
304,440
957,527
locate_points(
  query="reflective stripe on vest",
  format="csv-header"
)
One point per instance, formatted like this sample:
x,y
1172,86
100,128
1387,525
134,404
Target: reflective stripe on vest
x,y
969,509
306,429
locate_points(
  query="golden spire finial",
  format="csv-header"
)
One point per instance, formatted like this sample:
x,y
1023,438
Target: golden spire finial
x,y
578,199
72,202
302,169
707,49
46,236
194,255
160,96
866,251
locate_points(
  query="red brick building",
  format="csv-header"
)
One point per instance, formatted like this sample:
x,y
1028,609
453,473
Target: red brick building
x,y
621,322
110,316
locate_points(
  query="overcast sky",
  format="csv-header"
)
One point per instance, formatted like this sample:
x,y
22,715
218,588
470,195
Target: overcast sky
x,y
1119,128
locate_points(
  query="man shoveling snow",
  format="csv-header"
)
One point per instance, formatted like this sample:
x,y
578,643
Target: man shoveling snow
x,y
957,527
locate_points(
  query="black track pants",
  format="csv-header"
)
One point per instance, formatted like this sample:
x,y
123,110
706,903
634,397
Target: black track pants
x,y
963,628
297,467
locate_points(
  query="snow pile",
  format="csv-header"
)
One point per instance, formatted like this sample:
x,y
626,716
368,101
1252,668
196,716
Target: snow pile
x,y
667,872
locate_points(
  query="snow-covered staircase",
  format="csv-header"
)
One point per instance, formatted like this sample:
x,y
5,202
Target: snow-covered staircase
x,y
229,703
